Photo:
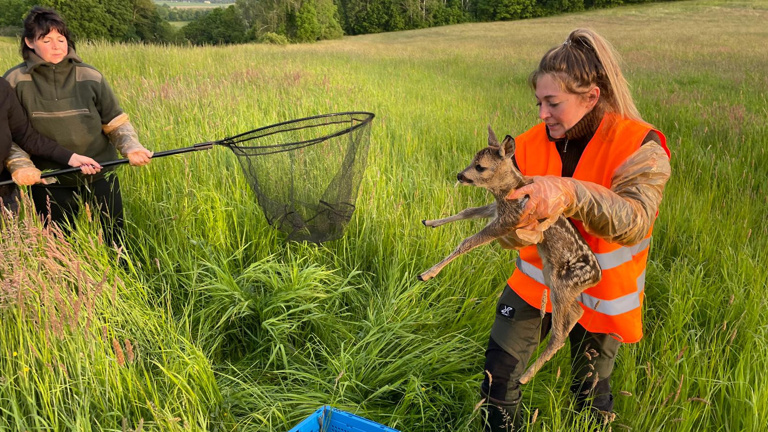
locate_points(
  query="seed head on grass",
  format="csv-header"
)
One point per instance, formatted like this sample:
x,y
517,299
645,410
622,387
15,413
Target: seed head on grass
x,y
130,356
679,387
119,355
680,354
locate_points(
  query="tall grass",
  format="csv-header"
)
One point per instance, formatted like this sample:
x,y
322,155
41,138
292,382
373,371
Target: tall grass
x,y
235,329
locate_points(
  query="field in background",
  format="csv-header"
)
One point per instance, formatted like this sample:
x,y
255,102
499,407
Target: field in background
x,y
232,328
192,5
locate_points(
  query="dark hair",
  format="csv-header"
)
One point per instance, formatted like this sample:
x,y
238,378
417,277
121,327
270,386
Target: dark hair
x,y
585,60
39,22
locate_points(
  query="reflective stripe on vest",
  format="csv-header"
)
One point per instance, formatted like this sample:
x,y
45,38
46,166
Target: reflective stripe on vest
x,y
607,261
621,255
616,306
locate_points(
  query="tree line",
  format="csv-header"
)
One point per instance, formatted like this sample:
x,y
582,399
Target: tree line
x,y
169,13
281,21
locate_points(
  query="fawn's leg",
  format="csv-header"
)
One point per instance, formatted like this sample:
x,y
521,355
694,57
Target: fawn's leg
x,y
484,212
566,312
488,234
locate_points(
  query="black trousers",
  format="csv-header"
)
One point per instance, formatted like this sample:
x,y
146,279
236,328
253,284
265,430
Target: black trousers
x,y
62,204
9,194
516,333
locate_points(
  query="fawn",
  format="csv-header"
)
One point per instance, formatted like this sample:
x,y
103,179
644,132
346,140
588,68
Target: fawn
x,y
570,267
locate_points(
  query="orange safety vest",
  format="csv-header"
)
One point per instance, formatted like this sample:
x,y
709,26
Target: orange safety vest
x,y
614,305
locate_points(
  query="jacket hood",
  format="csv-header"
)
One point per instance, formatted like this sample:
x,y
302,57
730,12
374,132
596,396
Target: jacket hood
x,y
34,60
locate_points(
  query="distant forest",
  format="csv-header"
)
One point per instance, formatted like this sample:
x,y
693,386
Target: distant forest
x,y
278,21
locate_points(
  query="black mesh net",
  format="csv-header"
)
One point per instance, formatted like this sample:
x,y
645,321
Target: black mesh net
x,y
306,173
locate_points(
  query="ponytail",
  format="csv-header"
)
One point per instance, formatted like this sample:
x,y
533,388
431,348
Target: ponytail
x,y
585,60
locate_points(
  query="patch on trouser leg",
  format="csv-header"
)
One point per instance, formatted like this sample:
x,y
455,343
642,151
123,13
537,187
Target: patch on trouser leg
x,y
518,332
505,310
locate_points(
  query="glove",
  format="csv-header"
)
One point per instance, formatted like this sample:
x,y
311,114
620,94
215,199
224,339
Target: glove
x,y
139,157
26,176
548,198
514,241
123,136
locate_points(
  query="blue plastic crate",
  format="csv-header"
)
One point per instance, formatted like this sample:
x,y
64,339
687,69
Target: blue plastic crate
x,y
329,419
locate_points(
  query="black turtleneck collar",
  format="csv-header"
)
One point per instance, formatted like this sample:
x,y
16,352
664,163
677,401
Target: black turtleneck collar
x,y
576,139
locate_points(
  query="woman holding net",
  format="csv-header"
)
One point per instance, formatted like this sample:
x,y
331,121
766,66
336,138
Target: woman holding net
x,y
15,127
71,102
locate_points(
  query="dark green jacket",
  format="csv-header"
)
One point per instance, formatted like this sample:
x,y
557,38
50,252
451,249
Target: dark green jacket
x,y
15,127
68,102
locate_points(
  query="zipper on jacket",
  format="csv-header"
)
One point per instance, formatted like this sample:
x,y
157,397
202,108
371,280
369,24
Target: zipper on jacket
x,y
55,87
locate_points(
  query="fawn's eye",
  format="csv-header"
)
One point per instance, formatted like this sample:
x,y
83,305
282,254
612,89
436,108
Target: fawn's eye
x,y
480,168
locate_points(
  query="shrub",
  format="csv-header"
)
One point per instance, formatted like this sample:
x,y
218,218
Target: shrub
x,y
273,38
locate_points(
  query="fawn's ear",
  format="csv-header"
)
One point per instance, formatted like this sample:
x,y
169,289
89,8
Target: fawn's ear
x,y
492,140
508,146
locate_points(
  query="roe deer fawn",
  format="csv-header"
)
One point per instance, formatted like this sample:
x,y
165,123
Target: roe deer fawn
x,y
570,267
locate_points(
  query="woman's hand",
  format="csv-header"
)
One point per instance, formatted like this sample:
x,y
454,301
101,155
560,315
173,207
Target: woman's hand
x,y
139,157
548,198
86,164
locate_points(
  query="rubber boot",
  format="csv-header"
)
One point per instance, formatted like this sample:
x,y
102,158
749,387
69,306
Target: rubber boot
x,y
598,400
501,416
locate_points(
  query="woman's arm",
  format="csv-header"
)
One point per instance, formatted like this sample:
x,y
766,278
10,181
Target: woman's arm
x,y
622,214
118,128
123,136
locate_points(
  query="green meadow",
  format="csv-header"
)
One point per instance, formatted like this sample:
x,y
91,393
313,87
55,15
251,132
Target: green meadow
x,y
209,320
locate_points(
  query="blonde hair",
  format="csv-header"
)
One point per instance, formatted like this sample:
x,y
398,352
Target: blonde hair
x,y
585,60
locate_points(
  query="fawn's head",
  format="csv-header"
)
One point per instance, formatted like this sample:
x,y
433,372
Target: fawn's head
x,y
493,167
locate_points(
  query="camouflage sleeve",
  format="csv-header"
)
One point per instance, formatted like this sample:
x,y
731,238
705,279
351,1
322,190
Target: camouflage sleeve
x,y
122,135
624,213
17,159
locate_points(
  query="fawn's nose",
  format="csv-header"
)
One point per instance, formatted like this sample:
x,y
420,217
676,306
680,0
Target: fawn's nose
x,y
462,178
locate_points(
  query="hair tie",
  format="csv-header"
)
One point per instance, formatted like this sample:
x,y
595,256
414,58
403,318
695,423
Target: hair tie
x,y
567,42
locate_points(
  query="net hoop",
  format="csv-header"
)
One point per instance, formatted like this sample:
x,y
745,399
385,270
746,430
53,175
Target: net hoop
x,y
234,141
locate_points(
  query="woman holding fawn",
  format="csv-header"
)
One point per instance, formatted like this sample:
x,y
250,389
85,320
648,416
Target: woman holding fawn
x,y
594,160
